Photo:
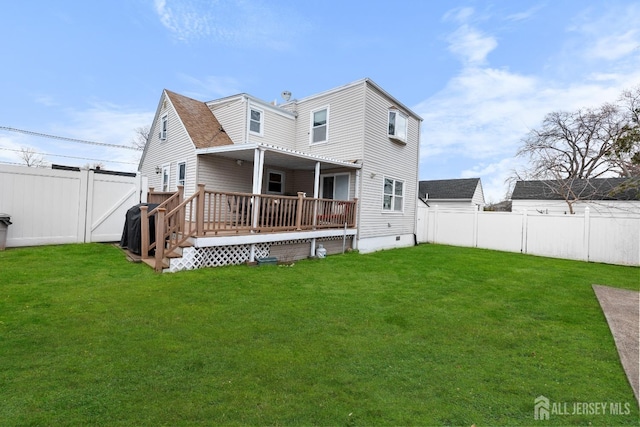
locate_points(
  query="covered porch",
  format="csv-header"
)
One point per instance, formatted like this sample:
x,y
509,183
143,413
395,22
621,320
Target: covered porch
x,y
251,222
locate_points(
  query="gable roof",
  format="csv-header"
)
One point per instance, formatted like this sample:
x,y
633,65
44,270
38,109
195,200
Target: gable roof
x,y
586,189
462,189
201,124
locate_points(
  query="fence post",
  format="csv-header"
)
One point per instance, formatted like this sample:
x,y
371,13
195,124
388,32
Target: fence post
x,y
435,224
144,231
587,233
475,228
525,232
160,238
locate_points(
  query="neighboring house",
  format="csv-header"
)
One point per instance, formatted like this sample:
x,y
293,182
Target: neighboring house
x,y
352,143
607,196
457,194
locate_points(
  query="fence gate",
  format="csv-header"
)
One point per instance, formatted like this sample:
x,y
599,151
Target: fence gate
x,y
49,206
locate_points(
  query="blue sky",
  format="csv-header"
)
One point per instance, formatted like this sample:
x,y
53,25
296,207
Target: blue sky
x,y
480,73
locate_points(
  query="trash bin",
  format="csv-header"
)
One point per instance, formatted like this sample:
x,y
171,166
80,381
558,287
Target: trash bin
x,y
5,222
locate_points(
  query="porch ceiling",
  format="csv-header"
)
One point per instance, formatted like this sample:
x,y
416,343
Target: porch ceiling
x,y
278,156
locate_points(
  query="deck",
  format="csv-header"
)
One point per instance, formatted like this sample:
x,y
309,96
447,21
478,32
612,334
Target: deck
x,y
213,218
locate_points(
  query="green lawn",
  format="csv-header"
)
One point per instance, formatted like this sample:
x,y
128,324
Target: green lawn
x,y
429,335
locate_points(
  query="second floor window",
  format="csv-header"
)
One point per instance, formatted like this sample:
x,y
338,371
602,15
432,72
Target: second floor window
x,y
397,125
319,122
255,121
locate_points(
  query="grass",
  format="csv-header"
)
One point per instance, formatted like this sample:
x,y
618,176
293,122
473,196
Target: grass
x,y
430,335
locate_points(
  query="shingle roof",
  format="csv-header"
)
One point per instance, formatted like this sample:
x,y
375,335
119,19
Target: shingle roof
x,y
203,127
463,189
584,189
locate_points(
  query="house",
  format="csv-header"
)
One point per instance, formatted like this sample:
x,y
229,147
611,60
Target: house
x,y
606,196
452,194
339,168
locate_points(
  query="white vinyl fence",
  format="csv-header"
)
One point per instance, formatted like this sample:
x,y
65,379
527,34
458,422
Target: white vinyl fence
x,y
50,206
587,237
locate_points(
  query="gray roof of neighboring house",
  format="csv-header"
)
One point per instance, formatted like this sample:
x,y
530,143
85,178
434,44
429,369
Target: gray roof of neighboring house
x,y
581,189
462,189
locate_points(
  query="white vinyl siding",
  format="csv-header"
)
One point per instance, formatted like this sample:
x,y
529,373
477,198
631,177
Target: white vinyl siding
x,y
232,116
222,174
278,129
177,145
346,122
384,158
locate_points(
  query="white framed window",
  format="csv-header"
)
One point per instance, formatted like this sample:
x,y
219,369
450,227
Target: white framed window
x,y
320,125
181,173
163,127
393,195
166,171
256,121
398,123
275,182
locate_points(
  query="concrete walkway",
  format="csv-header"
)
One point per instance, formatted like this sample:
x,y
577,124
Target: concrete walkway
x,y
621,307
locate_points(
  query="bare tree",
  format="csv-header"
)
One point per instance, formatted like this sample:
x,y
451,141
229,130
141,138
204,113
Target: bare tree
x,y
31,158
570,147
626,149
140,139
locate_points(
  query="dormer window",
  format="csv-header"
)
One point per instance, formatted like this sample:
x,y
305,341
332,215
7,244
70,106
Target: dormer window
x,y
256,121
398,125
163,128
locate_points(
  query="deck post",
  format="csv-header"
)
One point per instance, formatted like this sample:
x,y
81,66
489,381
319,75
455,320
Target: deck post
x,y
180,214
160,239
200,211
299,210
144,231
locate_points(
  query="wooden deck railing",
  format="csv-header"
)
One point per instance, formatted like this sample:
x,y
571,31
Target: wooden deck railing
x,y
222,213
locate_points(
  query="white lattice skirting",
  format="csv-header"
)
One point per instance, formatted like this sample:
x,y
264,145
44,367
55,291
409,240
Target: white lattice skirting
x,y
216,256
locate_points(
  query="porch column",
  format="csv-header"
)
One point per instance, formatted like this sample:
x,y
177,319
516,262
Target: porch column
x,y
316,182
258,167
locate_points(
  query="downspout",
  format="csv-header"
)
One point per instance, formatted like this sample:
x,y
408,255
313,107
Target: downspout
x,y
245,99
354,241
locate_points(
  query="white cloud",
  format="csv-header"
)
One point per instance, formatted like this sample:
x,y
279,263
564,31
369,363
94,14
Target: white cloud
x,y
471,45
480,117
494,176
233,23
608,35
104,123
211,87
525,15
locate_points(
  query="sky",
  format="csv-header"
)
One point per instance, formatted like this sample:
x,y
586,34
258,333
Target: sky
x,y
481,74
